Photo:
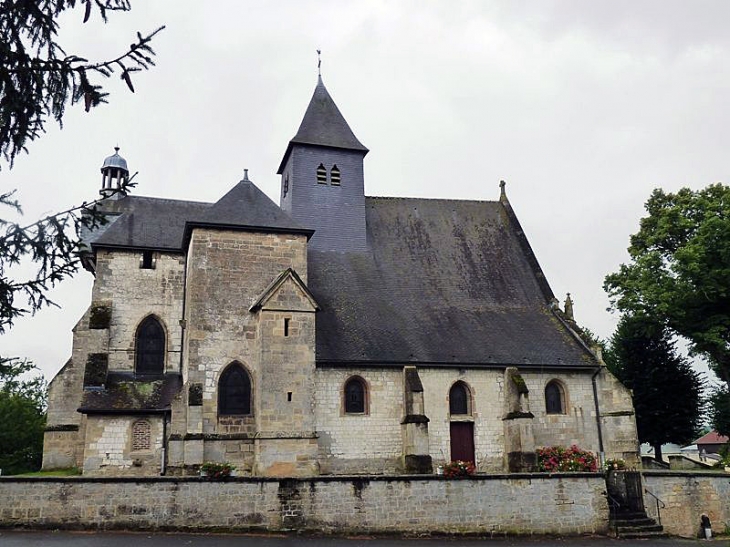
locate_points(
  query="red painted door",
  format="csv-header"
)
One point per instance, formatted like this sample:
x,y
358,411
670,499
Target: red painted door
x,y
462,441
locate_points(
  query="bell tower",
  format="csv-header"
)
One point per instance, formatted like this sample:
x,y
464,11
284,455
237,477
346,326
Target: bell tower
x,y
322,178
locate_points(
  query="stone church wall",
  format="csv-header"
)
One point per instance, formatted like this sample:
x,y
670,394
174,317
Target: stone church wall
x,y
110,446
360,443
372,442
134,293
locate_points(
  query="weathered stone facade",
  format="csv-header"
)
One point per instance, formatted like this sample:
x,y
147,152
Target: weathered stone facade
x,y
494,505
336,334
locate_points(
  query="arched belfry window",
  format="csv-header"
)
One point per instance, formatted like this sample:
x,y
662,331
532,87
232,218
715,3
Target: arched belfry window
x,y
335,176
355,396
459,399
150,347
234,391
321,174
554,398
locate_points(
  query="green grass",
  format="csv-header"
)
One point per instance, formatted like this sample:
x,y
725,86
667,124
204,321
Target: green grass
x,y
69,472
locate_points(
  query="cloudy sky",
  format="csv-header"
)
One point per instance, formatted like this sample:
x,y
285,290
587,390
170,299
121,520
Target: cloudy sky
x,y
582,107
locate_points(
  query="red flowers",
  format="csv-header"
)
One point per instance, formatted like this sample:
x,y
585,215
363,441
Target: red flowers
x,y
559,458
459,469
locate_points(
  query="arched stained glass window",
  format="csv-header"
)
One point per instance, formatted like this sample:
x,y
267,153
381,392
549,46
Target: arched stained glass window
x,y
150,347
355,394
234,391
459,399
554,398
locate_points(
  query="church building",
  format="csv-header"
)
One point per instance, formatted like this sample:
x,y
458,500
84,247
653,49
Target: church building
x,y
334,333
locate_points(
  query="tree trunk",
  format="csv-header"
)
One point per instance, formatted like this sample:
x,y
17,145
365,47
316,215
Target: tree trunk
x,y
658,452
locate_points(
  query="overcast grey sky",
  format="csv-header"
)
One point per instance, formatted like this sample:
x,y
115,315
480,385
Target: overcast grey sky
x,y
583,107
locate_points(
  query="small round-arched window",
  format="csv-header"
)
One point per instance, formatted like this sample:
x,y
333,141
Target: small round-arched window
x,y
554,398
459,399
355,396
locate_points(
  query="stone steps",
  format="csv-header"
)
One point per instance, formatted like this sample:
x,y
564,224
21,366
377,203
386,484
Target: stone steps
x,y
636,526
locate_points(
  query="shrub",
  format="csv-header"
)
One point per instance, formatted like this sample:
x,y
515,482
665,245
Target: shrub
x,y
559,458
217,471
617,464
459,469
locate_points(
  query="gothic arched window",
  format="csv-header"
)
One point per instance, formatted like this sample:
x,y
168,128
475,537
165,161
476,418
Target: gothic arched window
x,y
554,398
459,399
234,391
150,347
355,396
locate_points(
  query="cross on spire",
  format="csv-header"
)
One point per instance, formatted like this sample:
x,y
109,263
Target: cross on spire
x,y
319,62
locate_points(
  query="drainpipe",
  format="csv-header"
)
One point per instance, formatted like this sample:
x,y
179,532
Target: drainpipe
x,y
163,463
598,411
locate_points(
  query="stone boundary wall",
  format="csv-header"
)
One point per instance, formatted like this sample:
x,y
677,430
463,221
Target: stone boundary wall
x,y
687,496
569,503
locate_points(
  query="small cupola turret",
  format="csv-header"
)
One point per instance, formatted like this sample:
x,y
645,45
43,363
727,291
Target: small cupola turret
x,y
114,174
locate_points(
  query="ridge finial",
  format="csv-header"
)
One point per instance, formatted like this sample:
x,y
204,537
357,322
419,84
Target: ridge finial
x,y
319,63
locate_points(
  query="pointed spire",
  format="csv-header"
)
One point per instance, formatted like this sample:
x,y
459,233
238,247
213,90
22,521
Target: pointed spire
x,y
324,125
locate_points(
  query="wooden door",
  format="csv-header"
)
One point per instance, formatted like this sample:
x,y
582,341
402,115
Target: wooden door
x,y
462,441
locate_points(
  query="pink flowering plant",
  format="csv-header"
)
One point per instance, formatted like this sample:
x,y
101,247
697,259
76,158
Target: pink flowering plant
x,y
558,458
459,469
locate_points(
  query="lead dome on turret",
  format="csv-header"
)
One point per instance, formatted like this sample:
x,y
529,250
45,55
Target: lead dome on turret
x,y
114,173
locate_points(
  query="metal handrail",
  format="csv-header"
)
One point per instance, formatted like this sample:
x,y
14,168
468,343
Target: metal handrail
x,y
613,502
658,501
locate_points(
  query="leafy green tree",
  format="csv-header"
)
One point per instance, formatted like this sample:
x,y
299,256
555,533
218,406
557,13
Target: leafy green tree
x,y
720,410
22,417
680,270
666,391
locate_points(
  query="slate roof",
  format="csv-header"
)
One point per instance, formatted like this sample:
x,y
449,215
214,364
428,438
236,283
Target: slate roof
x,y
123,393
323,125
246,206
446,282
146,223
140,222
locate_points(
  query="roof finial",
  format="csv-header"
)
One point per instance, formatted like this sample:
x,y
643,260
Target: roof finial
x,y
245,176
116,149
569,308
502,192
319,63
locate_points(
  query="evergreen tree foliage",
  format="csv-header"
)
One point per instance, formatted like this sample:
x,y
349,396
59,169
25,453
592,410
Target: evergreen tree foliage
x,y
666,391
679,272
22,417
38,78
